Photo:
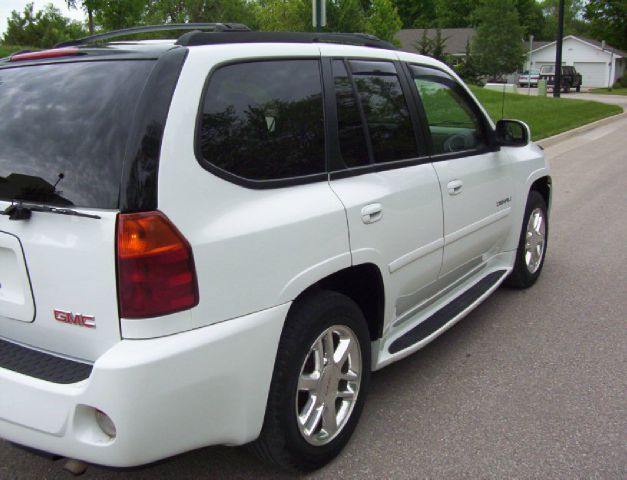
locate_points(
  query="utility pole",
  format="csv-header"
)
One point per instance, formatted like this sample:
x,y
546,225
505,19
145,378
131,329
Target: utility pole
x,y
319,14
530,63
557,79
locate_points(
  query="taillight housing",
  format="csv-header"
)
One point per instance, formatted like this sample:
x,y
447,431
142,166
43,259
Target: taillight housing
x,y
156,272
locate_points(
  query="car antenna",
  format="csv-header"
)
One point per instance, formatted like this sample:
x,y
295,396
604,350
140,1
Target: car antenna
x,y
503,102
61,177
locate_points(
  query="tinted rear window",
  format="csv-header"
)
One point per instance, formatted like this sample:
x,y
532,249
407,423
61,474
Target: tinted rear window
x,y
67,125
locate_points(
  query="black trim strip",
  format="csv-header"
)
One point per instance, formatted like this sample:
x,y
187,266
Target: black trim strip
x,y
138,191
43,366
446,313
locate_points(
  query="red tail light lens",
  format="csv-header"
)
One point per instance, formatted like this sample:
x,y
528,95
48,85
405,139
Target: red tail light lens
x,y
156,273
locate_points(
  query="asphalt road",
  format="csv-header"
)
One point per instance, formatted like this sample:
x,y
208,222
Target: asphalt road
x,y
532,384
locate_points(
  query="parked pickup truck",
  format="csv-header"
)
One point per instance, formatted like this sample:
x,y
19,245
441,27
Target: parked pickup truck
x,y
570,77
527,77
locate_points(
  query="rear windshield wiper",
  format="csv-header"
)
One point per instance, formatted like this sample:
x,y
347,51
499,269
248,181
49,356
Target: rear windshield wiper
x,y
19,211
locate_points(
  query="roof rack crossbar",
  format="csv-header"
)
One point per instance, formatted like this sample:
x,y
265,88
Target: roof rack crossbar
x,y
213,27
196,38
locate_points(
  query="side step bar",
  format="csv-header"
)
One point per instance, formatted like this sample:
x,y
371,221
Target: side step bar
x,y
446,313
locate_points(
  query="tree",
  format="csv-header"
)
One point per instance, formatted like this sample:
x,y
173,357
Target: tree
x,y
498,42
608,21
424,44
531,17
284,15
383,20
455,13
117,14
467,67
416,13
90,7
346,16
42,29
573,20
178,11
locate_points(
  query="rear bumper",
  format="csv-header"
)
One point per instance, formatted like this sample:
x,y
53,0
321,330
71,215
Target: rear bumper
x,y
166,396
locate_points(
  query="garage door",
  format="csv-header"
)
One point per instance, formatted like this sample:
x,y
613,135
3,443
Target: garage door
x,y
594,74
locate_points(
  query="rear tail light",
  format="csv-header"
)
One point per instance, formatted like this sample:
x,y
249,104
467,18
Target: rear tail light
x,y
156,273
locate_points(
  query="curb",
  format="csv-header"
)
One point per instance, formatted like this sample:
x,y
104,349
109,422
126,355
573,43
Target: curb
x,y
550,141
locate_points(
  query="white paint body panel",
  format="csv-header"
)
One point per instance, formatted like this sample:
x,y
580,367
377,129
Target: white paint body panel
x,y
406,244
71,266
474,225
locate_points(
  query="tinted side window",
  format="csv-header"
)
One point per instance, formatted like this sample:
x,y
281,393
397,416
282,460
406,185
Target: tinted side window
x,y
453,122
352,138
264,121
385,109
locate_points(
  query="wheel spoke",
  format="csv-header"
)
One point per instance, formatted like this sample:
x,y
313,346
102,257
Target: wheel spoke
x,y
309,382
329,419
349,376
310,420
318,351
342,351
347,394
328,346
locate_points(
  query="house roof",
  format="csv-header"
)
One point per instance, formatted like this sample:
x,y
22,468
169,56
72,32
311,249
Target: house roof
x,y
456,38
589,41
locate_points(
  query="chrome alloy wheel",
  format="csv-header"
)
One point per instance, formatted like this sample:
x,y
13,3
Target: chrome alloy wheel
x,y
328,385
535,240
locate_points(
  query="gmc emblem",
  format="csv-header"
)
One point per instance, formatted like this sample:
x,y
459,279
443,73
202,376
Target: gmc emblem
x,y
87,321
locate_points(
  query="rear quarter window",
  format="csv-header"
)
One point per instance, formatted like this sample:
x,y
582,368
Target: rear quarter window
x,y
263,121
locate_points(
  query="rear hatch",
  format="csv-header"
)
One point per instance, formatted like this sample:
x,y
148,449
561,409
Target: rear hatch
x,y
64,129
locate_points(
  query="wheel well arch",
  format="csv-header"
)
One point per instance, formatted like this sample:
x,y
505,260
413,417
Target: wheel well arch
x,y
543,186
364,285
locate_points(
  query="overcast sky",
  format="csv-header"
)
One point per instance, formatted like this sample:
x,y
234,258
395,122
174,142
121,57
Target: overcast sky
x,y
6,6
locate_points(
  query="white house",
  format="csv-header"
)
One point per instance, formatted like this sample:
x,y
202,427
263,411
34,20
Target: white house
x,y
599,67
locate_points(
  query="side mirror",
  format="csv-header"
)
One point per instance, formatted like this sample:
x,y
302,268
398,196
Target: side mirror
x,y
512,133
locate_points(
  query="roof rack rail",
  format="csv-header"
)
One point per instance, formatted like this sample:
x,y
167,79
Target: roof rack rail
x,y
359,39
214,27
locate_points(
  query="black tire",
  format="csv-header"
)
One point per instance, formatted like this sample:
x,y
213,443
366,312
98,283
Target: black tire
x,y
281,442
578,88
566,87
521,276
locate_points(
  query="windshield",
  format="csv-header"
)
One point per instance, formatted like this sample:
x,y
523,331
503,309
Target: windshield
x,y
63,130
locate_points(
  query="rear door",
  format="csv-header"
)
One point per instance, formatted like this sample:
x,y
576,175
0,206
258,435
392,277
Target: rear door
x,y
475,179
63,134
382,176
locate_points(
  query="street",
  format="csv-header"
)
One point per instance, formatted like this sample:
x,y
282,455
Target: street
x,y
532,384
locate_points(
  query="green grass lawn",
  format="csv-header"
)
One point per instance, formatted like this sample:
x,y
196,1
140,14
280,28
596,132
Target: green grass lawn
x,y
614,91
546,116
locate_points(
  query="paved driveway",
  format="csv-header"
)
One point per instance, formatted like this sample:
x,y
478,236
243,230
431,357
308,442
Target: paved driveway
x,y
612,99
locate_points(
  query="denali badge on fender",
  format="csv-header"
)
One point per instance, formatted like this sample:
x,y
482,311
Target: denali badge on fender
x,y
87,321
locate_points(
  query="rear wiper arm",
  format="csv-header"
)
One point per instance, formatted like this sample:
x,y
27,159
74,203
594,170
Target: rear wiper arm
x,y
19,211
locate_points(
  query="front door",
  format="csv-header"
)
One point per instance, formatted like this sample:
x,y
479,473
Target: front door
x,y
474,178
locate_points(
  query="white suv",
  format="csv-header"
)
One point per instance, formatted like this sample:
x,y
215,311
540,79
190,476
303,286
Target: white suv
x,y
216,240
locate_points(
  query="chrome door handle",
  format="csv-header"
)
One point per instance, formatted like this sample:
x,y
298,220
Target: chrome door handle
x,y
372,213
455,187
